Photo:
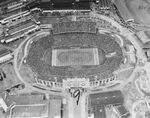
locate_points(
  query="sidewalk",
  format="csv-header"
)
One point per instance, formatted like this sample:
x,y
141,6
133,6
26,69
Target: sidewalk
x,y
77,111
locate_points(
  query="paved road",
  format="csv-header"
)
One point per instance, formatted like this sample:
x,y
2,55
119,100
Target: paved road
x,y
78,111
71,107
83,106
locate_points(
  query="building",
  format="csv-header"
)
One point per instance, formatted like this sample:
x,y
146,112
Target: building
x,y
35,106
11,7
50,5
121,111
14,6
71,4
30,4
98,101
27,106
3,104
5,55
106,98
17,17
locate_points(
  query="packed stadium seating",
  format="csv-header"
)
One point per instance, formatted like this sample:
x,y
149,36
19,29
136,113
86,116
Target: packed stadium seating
x,y
101,23
46,72
74,26
73,39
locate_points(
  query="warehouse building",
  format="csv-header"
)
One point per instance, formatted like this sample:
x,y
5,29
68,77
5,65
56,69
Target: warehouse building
x,y
98,101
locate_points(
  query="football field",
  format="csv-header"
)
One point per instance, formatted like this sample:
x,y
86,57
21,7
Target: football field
x,y
75,57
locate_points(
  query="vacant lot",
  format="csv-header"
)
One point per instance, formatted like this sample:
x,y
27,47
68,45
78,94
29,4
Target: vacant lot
x,y
140,9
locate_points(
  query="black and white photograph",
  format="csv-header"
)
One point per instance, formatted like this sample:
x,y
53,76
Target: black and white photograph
x,y
74,58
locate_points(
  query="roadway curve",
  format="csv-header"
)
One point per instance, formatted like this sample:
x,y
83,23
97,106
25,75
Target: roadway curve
x,y
123,31
16,52
70,101
129,36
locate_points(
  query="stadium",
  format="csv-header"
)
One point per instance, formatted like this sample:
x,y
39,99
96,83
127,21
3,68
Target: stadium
x,y
74,49
71,59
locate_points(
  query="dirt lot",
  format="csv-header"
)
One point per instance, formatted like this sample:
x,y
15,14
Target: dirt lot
x,y
140,9
11,78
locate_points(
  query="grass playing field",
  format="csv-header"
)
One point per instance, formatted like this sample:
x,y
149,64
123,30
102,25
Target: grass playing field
x,y
75,57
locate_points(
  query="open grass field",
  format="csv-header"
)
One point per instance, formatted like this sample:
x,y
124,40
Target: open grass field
x,y
75,57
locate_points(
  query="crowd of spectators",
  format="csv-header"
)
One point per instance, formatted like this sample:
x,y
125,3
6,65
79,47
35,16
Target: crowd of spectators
x,y
35,54
47,72
74,39
108,44
83,18
74,26
101,23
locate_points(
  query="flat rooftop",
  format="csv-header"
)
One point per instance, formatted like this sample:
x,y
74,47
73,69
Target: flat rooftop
x,y
106,98
34,106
